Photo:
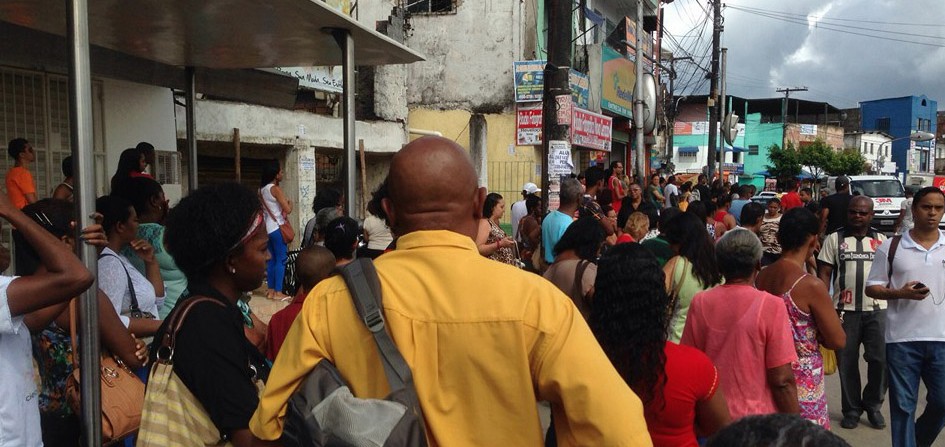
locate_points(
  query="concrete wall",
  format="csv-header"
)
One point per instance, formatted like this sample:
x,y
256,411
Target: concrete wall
x,y
134,113
469,57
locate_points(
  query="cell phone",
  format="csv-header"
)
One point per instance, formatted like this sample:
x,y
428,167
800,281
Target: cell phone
x,y
918,286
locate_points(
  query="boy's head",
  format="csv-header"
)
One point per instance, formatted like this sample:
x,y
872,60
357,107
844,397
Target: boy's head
x,y
312,266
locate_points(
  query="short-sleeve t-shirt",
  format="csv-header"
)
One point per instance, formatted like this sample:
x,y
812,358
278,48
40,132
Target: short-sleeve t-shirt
x,y
745,332
690,379
552,228
19,402
837,205
852,260
19,183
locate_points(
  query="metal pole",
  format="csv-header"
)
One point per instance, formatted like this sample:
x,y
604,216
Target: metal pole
x,y
346,42
191,129
639,166
81,132
723,112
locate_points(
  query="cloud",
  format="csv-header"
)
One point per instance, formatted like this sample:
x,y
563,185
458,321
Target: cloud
x,y
839,67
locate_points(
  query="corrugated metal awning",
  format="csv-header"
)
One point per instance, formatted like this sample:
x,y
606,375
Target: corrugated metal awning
x,y
688,149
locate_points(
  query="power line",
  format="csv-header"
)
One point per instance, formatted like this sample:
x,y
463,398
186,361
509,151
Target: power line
x,y
789,16
936,25
824,27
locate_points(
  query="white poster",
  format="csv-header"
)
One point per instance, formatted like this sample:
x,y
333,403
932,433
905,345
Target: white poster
x,y
559,158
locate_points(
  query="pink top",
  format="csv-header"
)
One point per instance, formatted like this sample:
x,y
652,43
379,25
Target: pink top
x,y
745,332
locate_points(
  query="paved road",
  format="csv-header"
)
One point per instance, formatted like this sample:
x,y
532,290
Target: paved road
x,y
864,435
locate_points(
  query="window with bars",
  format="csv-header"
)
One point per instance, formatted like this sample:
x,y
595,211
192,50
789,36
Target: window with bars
x,y
431,6
882,124
753,149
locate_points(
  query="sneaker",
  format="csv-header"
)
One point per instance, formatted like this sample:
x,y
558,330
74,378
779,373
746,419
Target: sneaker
x,y
876,419
850,421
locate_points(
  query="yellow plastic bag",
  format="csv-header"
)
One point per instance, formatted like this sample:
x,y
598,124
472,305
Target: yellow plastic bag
x,y
830,360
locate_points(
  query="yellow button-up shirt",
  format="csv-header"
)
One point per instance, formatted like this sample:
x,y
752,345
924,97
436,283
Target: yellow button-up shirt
x,y
484,340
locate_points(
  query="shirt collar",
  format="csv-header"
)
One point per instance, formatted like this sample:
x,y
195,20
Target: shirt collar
x,y
442,238
908,242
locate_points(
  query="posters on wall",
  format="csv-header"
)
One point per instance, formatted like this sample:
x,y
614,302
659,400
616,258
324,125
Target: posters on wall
x,y
528,124
808,129
529,80
617,83
580,88
591,130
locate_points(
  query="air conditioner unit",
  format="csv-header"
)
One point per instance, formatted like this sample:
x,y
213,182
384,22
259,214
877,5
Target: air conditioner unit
x,y
167,167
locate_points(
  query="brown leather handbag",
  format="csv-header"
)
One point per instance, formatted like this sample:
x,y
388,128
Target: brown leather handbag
x,y
122,391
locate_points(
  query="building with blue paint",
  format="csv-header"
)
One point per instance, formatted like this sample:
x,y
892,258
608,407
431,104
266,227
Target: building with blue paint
x,y
900,117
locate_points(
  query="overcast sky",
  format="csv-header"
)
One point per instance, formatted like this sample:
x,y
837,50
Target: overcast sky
x,y
838,67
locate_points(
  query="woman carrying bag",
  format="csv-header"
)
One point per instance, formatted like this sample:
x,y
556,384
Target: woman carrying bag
x,y
275,209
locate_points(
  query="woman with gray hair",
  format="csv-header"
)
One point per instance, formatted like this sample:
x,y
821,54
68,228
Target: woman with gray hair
x,y
745,332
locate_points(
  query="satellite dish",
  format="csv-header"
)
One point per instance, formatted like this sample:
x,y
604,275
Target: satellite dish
x,y
648,121
730,128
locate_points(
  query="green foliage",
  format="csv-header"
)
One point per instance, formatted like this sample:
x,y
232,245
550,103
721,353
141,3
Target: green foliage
x,y
847,162
816,157
784,163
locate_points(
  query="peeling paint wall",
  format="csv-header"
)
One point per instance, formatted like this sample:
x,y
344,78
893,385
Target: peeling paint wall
x,y
469,57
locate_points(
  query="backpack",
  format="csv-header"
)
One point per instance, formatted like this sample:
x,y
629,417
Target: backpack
x,y
324,412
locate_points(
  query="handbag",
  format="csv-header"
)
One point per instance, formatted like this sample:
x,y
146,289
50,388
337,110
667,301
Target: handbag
x,y
830,360
172,415
324,412
134,310
288,234
122,391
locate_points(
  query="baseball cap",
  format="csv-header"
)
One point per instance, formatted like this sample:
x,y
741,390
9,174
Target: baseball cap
x,y
842,181
530,188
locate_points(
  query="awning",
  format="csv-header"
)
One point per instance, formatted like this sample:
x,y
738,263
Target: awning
x,y
216,33
688,149
739,149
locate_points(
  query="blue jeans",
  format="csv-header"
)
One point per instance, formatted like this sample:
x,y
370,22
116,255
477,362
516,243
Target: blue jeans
x,y
907,362
275,266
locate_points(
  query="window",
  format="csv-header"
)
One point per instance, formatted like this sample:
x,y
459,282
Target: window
x,y
924,125
431,6
871,149
882,124
753,149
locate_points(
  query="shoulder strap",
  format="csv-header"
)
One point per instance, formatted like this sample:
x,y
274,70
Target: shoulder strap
x,y
73,320
176,319
131,288
265,205
577,289
365,287
894,245
798,280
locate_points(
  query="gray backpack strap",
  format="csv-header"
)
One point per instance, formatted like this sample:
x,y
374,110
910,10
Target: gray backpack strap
x,y
365,288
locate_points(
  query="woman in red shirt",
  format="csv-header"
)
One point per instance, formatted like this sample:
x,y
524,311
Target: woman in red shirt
x,y
679,385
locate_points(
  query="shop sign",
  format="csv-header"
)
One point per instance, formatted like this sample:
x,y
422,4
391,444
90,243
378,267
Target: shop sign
x,y
325,79
808,129
617,82
528,125
529,80
735,168
591,130
580,88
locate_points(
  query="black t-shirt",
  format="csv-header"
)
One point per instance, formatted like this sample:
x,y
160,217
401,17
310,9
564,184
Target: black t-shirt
x,y
215,361
704,193
837,205
626,209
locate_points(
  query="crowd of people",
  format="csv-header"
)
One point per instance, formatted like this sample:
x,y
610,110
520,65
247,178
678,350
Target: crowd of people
x,y
665,312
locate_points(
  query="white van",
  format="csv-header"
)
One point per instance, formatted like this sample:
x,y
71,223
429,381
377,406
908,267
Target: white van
x,y
885,190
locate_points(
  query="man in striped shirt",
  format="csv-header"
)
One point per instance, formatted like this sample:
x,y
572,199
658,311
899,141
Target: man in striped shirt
x,y
846,258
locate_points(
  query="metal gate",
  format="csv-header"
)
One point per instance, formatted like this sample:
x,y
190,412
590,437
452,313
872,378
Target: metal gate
x,y
507,178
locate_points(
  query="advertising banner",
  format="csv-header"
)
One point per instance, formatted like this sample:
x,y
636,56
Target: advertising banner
x,y
325,79
528,125
617,82
529,80
591,130
580,89
808,129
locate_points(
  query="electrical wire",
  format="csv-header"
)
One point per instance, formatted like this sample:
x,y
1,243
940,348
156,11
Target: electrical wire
x,y
937,25
817,23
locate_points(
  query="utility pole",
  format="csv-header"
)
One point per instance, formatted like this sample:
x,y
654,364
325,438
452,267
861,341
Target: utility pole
x,y
713,86
556,84
723,111
640,153
787,95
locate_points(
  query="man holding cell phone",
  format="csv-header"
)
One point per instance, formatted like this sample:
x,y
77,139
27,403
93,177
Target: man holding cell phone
x,y
909,273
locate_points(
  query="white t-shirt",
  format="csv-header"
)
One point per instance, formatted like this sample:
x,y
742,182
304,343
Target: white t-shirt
x,y
908,320
113,281
668,191
379,237
270,203
518,212
19,399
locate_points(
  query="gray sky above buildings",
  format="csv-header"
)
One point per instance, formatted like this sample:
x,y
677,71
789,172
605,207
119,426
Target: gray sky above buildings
x,y
844,51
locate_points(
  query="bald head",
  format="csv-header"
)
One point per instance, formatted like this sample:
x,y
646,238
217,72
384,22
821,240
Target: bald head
x,y
433,186
862,201
313,265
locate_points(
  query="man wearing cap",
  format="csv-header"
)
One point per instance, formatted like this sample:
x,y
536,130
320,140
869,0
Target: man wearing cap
x,y
834,207
518,208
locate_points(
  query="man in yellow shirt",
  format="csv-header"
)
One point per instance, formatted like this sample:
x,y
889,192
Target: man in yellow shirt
x,y
484,340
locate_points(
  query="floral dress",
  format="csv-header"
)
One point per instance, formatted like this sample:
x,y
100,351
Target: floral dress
x,y
504,254
809,367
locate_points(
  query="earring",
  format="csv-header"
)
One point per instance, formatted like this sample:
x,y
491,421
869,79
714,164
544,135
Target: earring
x,y
233,270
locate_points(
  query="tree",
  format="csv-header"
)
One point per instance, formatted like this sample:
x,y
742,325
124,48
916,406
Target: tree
x,y
847,162
784,163
817,157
